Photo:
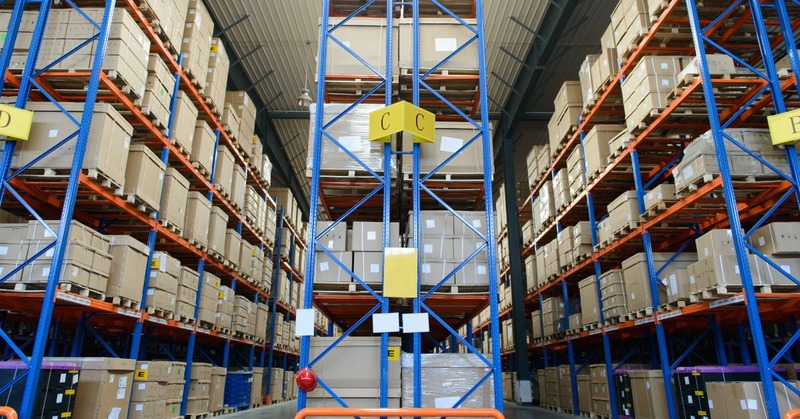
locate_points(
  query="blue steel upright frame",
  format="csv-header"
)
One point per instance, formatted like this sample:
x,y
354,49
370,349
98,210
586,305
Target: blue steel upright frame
x,y
483,139
28,82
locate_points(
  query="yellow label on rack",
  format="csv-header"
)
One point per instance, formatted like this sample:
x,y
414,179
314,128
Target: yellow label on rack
x,y
402,117
394,353
15,123
784,128
400,273
70,392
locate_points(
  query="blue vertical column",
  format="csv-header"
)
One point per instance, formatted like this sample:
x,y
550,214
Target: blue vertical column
x,y
387,203
276,271
612,395
70,198
661,340
415,193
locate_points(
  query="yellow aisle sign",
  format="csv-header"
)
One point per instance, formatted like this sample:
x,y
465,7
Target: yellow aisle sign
x,y
15,123
402,117
400,272
784,128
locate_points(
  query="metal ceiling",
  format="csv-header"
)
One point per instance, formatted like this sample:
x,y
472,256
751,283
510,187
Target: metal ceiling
x,y
288,34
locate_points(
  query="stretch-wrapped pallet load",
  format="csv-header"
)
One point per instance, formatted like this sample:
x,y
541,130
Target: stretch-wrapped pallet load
x,y
452,140
217,75
647,88
158,91
446,378
172,213
351,131
245,110
568,105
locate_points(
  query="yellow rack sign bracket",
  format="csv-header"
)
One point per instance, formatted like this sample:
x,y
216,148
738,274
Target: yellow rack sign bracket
x,y
15,123
784,128
400,278
402,117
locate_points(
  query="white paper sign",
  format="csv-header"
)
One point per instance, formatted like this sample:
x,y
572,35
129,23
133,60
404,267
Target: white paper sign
x,y
416,323
304,325
385,322
446,44
450,144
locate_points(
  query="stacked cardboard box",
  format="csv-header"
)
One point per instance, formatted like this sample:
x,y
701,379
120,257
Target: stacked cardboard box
x,y
552,387
538,160
700,162
87,261
199,389
648,87
584,393
436,250
223,172
197,220
14,251
587,81
612,290
276,383
647,388
718,266
245,110
553,316
507,335
163,284
242,307
246,256
367,248
448,377
209,292
233,246
551,261
623,214
599,383
154,383
565,243
660,197
144,177
561,194
217,389
175,196
590,312
217,226
224,314
527,232
778,241
185,123
450,138
361,35
158,91
217,75
596,147
170,18
568,104
544,208
256,396
109,133
238,187
203,142
186,300
531,273
335,241
607,65
128,266
725,399
630,21
104,388
581,240
439,37
196,46
671,287
575,171
565,387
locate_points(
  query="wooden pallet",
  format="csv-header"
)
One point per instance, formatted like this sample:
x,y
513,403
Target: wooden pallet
x,y
154,119
169,225
675,305
660,207
590,326
184,319
123,302
612,320
140,205
221,329
164,314
639,314
71,287
198,415
202,170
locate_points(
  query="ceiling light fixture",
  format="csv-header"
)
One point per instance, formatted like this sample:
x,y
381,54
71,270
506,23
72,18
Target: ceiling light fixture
x,y
305,99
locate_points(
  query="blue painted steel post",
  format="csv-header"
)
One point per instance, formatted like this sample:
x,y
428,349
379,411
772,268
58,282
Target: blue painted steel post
x,y
415,194
488,158
387,202
666,369
31,383
573,377
612,395
762,357
276,269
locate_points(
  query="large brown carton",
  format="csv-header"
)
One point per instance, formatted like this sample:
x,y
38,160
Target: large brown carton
x,y
649,396
173,203
203,142
128,263
158,92
106,149
366,36
196,222
664,192
778,238
450,138
439,37
217,389
217,75
223,173
715,242
196,45
368,236
216,230
327,270
184,123
637,278
144,176
238,187
233,242
596,146
368,266
104,389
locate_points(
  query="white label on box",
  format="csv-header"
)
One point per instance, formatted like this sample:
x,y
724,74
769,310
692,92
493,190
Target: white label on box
x,y
46,271
426,268
374,268
115,411
59,398
75,379
62,378
3,250
650,196
710,403
430,223
673,284
477,223
689,399
139,407
705,251
445,402
351,142
743,404
752,404
664,66
120,395
323,266
330,244
686,380
687,172
142,386
53,133
428,248
481,269
787,268
446,44
450,144
736,269
371,235
761,241
665,82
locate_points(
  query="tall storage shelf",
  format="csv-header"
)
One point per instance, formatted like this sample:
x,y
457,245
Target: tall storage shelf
x,y
354,180
76,321
747,322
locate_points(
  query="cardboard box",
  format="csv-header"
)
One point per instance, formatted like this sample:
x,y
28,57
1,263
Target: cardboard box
x,y
104,388
715,242
366,36
637,279
368,266
327,270
777,238
203,142
128,266
723,270
184,123
233,244
772,276
439,37
173,204
197,220
196,45
368,236
447,375
217,226
433,272
433,223
450,138
663,193
648,391
223,174
596,146
106,150
335,239
238,186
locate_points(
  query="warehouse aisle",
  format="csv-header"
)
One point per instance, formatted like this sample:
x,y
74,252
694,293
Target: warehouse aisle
x,y
288,409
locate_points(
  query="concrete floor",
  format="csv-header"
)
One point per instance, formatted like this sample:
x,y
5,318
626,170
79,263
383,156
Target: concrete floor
x,y
287,410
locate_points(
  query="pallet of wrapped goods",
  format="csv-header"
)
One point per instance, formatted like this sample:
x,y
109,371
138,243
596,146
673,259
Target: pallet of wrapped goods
x,y
224,314
565,241
246,259
197,403
126,278
209,293
197,220
216,77
266,171
598,379
647,89
561,195
568,104
203,144
144,179
103,162
631,22
256,155
623,216
159,88
232,248
216,232
587,82
590,314
216,392
607,64
659,198
196,45
638,286
544,210
451,138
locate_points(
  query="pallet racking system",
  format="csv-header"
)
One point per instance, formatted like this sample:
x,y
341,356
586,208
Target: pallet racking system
x,y
371,197
70,323
754,34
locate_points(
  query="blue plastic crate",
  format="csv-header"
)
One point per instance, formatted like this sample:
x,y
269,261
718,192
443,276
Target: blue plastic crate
x,y
237,389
